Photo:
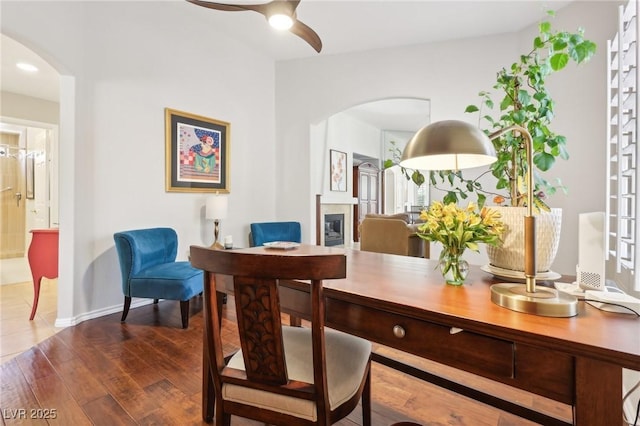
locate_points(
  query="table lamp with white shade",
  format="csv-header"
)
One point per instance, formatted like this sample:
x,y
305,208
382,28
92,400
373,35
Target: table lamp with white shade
x,y
454,145
216,209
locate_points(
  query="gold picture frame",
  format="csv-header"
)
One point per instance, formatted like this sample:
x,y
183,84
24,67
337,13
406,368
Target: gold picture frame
x,y
196,152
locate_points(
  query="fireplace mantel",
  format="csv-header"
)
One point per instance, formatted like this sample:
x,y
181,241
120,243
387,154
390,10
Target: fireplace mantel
x,y
332,199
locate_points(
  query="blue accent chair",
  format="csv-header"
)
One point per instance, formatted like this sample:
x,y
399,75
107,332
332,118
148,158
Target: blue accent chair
x,y
149,269
267,232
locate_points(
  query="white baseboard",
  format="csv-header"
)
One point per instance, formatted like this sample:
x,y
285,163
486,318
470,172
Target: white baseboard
x,y
71,321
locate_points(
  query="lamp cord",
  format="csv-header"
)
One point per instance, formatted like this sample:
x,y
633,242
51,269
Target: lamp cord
x,y
637,314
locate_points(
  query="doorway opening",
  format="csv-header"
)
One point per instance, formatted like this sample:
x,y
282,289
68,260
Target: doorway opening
x,y
29,191
376,131
366,189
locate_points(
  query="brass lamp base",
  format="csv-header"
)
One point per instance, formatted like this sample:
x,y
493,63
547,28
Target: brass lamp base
x,y
216,246
216,231
545,302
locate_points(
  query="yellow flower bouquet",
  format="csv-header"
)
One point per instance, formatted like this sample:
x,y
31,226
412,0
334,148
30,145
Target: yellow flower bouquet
x,y
458,229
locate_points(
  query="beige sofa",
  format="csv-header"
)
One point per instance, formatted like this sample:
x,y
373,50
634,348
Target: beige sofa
x,y
392,234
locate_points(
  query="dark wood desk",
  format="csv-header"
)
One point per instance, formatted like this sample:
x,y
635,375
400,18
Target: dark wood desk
x,y
402,302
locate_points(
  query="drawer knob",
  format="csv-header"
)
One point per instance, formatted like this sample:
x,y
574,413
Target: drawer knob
x,y
398,331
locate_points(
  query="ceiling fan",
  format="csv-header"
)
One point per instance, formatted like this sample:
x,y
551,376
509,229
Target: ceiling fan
x,y
281,14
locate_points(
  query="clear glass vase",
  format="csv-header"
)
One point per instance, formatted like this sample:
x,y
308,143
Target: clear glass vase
x,y
453,267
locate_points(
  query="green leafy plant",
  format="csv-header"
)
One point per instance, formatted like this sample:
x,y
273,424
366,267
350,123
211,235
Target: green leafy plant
x,y
524,101
416,176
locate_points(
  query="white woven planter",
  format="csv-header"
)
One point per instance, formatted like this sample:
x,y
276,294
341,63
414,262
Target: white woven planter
x,y
510,255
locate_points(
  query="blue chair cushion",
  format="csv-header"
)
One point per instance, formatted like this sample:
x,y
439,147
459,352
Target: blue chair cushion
x,y
267,232
173,281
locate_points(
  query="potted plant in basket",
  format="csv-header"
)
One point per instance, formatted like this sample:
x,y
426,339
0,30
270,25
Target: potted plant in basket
x,y
523,99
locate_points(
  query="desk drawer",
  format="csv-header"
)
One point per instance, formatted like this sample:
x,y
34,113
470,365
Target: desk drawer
x,y
486,356
545,372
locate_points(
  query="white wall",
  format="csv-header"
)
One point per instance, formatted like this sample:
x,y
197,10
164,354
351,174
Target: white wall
x,y
428,71
362,138
451,74
116,83
346,134
28,108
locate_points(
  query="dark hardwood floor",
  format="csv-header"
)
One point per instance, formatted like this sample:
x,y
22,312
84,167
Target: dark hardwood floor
x,y
148,371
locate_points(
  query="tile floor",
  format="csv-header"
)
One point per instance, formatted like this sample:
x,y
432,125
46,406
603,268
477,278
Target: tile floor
x,y
14,270
17,333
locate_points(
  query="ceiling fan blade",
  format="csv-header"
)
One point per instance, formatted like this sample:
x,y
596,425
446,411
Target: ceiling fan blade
x,y
229,7
307,34
298,28
294,3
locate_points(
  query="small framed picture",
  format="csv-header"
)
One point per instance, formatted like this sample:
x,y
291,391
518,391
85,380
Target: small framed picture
x,y
197,153
338,171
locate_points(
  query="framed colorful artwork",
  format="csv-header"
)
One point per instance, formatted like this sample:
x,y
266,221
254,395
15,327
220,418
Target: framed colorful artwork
x,y
197,153
338,171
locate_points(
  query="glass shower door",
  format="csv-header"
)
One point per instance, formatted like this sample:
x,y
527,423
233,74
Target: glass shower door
x,y
12,196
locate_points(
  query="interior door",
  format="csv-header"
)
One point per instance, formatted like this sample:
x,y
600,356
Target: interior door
x,y
368,193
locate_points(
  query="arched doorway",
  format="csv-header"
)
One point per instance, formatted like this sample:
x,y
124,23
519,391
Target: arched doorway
x,y
36,114
366,133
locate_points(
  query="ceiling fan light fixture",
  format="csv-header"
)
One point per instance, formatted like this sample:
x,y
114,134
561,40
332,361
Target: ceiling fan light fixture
x,y
280,21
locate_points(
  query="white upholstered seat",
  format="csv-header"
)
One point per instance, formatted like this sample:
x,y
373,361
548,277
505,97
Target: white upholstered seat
x,y
347,358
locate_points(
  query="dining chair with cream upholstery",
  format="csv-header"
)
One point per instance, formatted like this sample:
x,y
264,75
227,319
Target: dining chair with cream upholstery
x,y
281,375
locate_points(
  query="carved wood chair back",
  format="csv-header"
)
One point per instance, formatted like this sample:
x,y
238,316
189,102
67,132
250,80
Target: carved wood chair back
x,y
282,375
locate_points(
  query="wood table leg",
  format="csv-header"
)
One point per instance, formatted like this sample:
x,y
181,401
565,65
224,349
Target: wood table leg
x,y
208,389
220,296
36,296
598,393
208,394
